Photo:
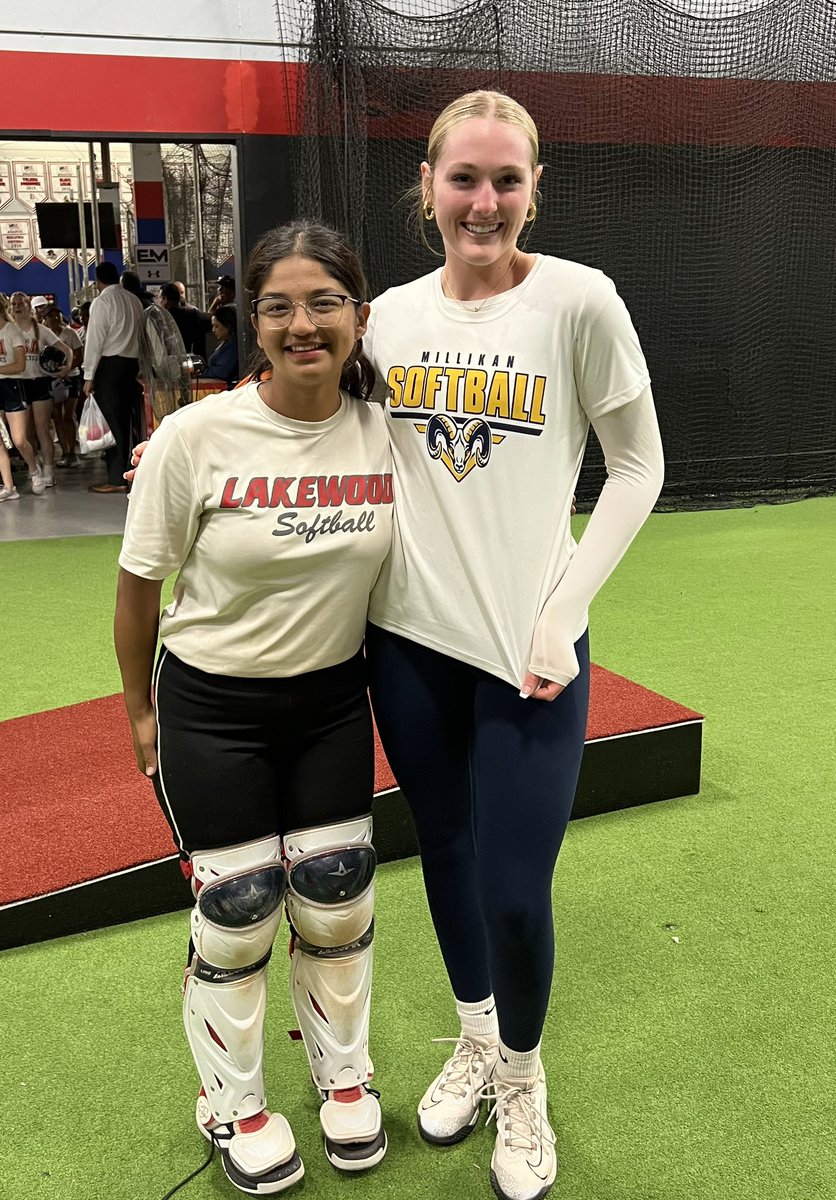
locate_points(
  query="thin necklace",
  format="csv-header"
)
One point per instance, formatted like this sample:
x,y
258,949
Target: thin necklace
x,y
445,283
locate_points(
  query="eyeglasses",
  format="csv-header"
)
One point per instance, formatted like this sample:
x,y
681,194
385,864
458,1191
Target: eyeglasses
x,y
326,309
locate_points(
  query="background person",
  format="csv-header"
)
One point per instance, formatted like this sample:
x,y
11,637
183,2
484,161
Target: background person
x,y
83,319
131,282
193,325
225,293
223,361
13,397
38,306
260,694
111,367
8,491
65,392
37,383
495,365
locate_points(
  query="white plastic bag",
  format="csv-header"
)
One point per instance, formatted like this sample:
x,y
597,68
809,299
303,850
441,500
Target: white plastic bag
x,y
93,430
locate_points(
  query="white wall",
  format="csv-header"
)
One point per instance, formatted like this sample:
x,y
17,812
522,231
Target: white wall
x,y
225,29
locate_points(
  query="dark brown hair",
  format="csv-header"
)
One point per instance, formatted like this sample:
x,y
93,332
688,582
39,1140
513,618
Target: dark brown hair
x,y
328,247
227,315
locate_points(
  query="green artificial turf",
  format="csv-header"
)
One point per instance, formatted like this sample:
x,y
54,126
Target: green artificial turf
x,y
62,652
690,1046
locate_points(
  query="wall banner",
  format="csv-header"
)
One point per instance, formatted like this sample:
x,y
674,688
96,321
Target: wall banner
x,y
16,242
5,183
63,181
30,183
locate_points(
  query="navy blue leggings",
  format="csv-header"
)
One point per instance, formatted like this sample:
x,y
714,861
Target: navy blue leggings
x,y
490,779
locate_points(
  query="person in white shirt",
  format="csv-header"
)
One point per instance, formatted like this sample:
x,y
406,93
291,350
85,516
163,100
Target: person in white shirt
x,y
493,367
274,505
37,383
111,367
13,401
65,392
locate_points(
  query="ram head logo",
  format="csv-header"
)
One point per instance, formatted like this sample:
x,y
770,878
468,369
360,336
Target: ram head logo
x,y
460,447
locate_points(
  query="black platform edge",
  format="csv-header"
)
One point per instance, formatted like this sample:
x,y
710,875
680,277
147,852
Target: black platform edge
x,y
616,773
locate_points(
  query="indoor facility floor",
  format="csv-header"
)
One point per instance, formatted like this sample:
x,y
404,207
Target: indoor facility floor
x,y
66,510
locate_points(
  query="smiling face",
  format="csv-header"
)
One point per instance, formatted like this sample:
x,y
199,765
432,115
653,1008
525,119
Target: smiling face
x,y
307,359
21,306
481,188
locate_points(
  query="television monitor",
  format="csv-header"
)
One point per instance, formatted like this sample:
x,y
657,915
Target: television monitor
x,y
58,226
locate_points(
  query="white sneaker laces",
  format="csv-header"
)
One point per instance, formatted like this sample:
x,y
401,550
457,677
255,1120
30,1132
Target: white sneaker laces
x,y
460,1072
518,1119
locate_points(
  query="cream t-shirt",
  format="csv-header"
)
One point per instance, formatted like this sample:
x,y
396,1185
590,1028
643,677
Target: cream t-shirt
x,y
34,345
488,413
10,339
278,529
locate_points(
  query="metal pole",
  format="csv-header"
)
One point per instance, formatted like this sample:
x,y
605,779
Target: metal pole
x,y
198,208
71,281
94,206
82,233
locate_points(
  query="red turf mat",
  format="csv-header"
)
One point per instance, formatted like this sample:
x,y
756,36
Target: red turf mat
x,y
73,805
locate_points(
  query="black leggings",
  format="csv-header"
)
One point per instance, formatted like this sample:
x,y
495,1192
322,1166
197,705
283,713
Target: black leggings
x,y
490,779
242,759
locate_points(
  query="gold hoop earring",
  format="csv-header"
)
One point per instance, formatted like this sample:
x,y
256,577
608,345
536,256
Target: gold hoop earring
x,y
531,214
429,211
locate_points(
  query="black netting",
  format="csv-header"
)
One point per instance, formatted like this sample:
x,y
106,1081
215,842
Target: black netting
x,y
690,153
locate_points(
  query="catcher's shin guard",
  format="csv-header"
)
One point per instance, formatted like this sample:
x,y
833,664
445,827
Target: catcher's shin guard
x,y
239,893
330,903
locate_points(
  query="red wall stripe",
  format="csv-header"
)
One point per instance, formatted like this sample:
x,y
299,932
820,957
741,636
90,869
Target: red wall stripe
x,y
229,97
148,196
142,95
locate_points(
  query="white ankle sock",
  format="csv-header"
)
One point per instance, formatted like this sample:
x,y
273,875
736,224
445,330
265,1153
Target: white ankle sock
x,y
479,1019
518,1064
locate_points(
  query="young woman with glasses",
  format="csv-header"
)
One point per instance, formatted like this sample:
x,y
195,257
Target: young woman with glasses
x,y
275,508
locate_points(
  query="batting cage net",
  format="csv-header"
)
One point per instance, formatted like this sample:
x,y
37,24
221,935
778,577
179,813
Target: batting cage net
x,y
689,149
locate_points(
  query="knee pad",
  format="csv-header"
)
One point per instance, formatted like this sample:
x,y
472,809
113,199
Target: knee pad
x,y
330,904
239,894
239,891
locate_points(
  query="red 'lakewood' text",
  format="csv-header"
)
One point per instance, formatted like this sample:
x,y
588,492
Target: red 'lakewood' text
x,y
308,491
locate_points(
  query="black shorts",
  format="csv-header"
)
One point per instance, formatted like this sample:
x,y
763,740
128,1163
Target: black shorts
x,y
241,759
12,395
38,389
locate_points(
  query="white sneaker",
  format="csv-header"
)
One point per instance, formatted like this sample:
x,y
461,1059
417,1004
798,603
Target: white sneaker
x,y
259,1153
49,476
9,493
450,1106
524,1162
353,1127
38,484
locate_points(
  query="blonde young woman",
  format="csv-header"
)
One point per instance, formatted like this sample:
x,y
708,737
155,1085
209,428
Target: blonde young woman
x,y
37,383
495,364
13,402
